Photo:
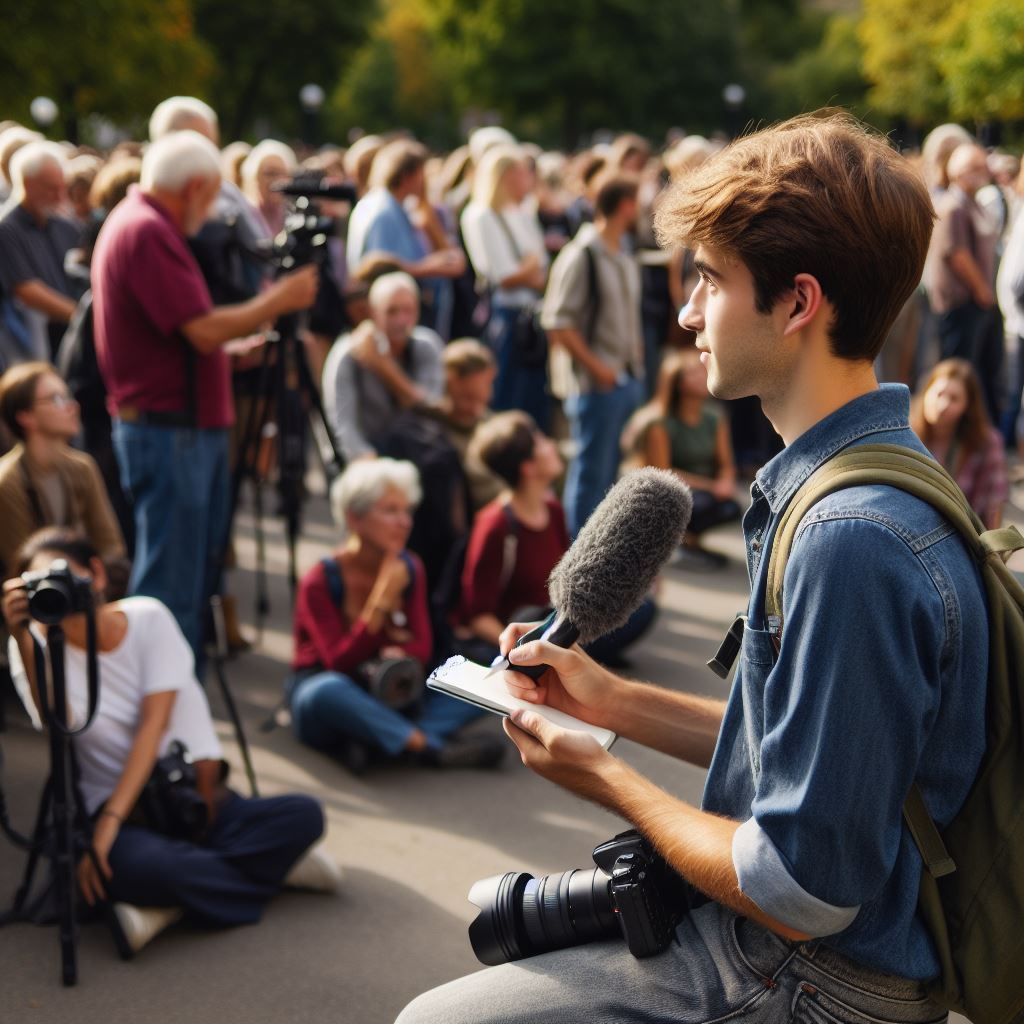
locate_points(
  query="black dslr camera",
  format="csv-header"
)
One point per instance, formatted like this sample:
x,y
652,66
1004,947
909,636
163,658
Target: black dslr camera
x,y
57,593
632,890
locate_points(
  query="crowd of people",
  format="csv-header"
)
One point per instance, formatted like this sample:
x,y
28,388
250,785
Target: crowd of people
x,y
494,333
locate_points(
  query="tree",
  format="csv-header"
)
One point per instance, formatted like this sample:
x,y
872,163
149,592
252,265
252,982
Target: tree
x,y
558,69
118,58
396,79
266,50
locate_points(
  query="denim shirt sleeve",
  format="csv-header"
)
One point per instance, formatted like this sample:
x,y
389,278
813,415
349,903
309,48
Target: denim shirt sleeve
x,y
847,710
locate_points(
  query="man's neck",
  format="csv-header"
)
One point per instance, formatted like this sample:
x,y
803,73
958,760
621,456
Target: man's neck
x,y
530,498
44,452
610,233
171,204
817,390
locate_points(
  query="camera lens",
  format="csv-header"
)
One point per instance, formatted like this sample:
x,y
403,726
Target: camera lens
x,y
521,915
50,602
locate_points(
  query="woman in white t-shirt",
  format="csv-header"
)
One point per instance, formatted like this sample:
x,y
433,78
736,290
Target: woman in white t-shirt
x,y
503,238
148,698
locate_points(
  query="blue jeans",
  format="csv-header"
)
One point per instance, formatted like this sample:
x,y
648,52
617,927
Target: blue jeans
x,y
178,482
596,421
516,386
229,878
329,707
720,967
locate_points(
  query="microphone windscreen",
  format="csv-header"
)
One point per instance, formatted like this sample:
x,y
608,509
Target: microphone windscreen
x,y
602,579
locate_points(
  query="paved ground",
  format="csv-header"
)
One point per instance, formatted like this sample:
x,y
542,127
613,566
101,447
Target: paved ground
x,y
411,843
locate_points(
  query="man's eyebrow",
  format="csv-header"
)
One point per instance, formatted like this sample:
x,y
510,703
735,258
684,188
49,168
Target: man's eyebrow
x,y
707,270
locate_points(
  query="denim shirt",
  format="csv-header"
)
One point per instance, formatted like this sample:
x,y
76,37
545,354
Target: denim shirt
x,y
880,681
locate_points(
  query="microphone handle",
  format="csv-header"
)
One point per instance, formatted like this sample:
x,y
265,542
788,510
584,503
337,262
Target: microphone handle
x,y
555,630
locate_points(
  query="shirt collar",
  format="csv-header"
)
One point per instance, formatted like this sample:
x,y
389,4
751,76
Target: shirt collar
x,y
877,412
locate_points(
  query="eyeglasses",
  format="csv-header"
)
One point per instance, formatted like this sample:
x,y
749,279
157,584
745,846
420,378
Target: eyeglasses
x,y
59,400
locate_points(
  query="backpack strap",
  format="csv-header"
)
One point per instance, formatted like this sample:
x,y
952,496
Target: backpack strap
x,y
900,467
335,582
594,292
509,548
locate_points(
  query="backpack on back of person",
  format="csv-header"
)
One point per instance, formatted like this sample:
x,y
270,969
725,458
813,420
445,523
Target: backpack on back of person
x,y
972,884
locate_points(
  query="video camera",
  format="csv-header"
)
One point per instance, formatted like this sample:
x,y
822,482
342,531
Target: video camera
x,y
306,229
632,890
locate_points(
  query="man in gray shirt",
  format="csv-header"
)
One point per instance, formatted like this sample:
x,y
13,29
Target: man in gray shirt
x,y
38,298
385,366
592,312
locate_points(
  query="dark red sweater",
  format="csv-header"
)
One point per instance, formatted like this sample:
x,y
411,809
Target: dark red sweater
x,y
324,637
537,552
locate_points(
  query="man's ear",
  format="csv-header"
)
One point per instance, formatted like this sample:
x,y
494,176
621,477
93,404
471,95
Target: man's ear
x,y
805,303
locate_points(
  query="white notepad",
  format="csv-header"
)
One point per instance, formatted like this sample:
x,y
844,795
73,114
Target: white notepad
x,y
465,680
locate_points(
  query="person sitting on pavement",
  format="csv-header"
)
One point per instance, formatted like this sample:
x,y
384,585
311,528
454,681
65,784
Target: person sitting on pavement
x,y
679,429
224,872
517,540
362,610
43,480
386,365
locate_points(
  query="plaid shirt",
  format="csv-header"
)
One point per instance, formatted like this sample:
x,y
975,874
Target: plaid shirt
x,y
982,477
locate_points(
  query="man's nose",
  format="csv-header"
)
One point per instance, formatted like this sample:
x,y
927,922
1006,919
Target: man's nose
x,y
691,318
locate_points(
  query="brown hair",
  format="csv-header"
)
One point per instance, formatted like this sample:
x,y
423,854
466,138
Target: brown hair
x,y
60,541
613,191
467,356
110,185
973,429
820,194
396,161
18,393
503,443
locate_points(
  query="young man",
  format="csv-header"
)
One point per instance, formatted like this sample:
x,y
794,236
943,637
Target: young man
x,y
592,311
809,237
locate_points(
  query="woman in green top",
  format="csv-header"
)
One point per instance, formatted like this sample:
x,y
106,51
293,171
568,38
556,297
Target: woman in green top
x,y
681,430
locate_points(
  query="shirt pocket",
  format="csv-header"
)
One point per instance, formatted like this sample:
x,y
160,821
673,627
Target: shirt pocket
x,y
757,657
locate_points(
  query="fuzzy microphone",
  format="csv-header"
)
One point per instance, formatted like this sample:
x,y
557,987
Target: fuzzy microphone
x,y
602,579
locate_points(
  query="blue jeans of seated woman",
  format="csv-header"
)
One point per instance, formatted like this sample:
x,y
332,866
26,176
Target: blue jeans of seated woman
x,y
329,707
516,386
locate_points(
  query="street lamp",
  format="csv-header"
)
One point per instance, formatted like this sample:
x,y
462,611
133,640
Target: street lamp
x,y
733,95
311,98
44,112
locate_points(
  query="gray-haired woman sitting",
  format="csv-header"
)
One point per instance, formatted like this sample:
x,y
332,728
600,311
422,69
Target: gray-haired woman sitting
x,y
362,634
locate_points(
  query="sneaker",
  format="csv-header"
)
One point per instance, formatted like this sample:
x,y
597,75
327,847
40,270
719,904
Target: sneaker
x,y
473,751
698,560
317,870
141,924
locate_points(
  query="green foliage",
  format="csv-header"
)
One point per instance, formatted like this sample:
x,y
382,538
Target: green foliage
x,y
266,50
396,79
115,57
559,69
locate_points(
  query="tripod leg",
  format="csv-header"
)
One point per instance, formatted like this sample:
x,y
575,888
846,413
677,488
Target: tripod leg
x,y
38,837
225,689
64,863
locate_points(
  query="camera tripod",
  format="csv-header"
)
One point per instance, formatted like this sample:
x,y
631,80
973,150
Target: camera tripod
x,y
63,830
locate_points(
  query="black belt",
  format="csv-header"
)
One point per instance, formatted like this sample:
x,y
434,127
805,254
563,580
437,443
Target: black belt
x,y
155,418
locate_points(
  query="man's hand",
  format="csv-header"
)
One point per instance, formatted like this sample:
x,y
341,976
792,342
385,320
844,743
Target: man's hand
x,y
364,347
723,490
442,263
90,881
575,683
604,377
296,290
567,757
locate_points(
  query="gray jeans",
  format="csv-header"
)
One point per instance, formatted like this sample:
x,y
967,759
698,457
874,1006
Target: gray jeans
x,y
721,966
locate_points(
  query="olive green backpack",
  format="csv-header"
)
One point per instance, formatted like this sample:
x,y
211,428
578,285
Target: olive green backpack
x,y
972,884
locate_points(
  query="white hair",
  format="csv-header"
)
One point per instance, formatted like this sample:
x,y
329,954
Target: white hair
x,y
483,139
261,151
178,158
365,482
178,112
382,290
30,160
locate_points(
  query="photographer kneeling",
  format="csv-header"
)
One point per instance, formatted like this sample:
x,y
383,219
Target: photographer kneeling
x,y
238,854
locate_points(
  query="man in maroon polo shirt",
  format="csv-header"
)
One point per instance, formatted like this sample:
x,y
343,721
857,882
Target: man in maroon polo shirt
x,y
158,342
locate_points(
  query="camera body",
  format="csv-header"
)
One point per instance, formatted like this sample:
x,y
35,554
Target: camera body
x,y
56,593
631,892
